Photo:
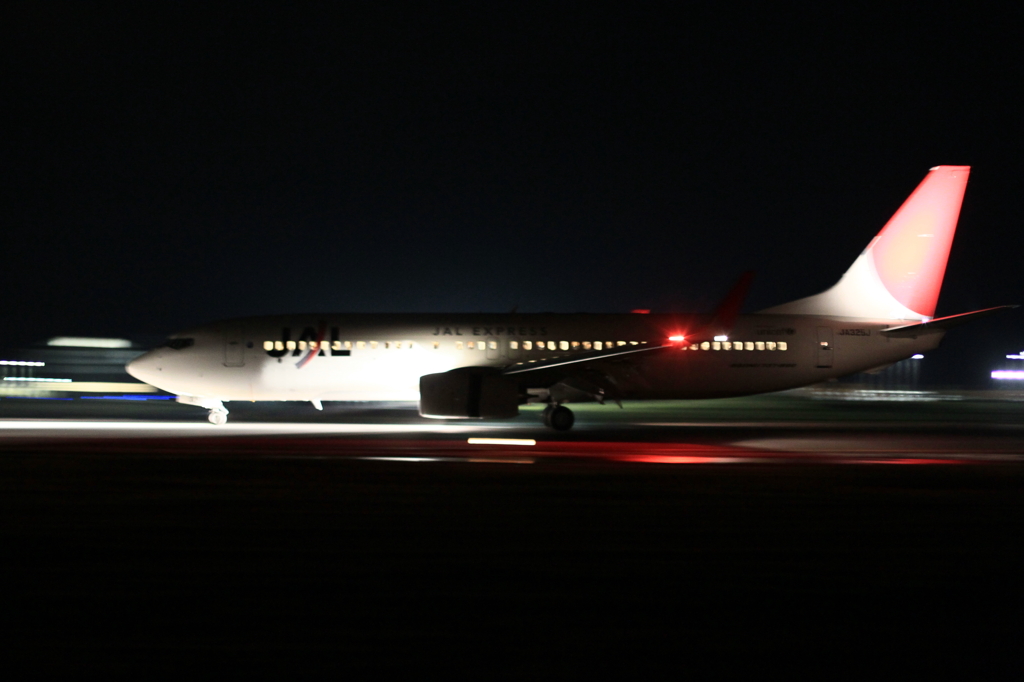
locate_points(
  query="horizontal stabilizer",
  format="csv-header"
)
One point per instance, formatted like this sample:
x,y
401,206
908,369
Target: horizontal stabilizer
x,y
943,322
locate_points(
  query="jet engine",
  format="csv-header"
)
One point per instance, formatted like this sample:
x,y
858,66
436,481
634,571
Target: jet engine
x,y
469,393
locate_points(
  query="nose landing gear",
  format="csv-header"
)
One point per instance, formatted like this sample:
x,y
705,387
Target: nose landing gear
x,y
218,414
558,417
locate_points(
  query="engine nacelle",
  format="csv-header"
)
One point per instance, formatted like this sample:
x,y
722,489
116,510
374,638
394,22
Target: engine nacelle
x,y
469,393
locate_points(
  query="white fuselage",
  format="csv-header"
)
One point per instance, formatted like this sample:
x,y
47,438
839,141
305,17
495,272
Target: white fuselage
x,y
383,356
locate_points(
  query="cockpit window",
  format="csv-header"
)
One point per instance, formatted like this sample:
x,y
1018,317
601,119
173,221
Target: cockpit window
x,y
178,344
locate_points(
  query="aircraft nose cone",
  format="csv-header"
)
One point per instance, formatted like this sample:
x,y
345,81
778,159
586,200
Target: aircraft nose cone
x,y
142,368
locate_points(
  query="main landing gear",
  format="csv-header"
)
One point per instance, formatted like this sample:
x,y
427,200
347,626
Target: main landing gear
x,y
558,417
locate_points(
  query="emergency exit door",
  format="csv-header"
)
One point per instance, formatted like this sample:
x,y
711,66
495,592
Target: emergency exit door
x,y
825,348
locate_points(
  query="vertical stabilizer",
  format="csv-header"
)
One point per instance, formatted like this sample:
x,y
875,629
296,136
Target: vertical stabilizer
x,y
899,274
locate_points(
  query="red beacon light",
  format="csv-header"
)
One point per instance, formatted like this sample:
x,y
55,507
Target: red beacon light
x,y
677,339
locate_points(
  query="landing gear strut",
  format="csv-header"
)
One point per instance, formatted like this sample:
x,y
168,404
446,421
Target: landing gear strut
x,y
218,414
558,417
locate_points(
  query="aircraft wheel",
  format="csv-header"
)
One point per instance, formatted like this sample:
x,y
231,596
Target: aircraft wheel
x,y
561,418
218,418
546,415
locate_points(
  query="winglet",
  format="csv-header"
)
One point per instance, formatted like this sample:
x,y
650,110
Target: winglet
x,y
727,311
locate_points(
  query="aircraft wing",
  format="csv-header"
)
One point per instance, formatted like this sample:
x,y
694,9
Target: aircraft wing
x,y
721,323
578,358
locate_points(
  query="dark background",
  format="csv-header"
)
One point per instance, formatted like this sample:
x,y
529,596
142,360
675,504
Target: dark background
x,y
164,167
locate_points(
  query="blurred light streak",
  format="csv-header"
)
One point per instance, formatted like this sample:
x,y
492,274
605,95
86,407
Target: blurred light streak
x,y
125,397
502,460
88,342
1008,374
674,459
22,363
87,386
403,459
501,441
39,379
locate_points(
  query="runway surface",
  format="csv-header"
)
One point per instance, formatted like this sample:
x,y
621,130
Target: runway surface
x,y
786,533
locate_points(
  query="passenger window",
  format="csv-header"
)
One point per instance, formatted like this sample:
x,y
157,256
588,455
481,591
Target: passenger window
x,y
373,345
493,345
437,344
552,346
587,345
458,345
527,345
783,345
278,345
348,345
727,345
598,345
360,345
387,344
621,343
759,345
693,346
563,345
398,345
482,345
716,345
748,345
302,345
290,345
513,345
770,345
634,343
268,345
575,345
705,346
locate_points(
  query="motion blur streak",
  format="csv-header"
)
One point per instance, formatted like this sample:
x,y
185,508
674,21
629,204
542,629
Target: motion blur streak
x,y
668,459
501,441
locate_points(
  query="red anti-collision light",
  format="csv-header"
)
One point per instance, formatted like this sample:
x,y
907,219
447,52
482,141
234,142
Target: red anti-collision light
x,y
677,338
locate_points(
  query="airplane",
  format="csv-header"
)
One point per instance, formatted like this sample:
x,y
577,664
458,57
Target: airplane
x,y
485,366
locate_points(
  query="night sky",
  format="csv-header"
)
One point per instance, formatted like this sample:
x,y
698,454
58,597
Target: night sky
x,y
168,167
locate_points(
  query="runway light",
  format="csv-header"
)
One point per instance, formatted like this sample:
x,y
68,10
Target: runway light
x,y
1008,374
501,441
58,381
22,363
88,342
917,356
